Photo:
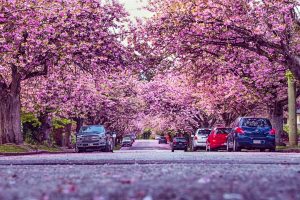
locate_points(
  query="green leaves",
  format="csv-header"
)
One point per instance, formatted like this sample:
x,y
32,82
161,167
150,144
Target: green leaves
x,y
30,118
58,123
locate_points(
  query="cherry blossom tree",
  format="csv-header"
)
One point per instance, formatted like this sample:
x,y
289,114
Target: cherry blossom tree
x,y
255,41
110,99
266,28
38,36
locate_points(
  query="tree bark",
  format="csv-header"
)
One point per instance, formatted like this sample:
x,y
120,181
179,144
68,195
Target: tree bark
x,y
228,118
79,123
10,118
294,65
67,134
276,116
293,139
46,127
10,107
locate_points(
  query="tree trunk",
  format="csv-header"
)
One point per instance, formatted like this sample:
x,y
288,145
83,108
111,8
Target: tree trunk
x,y
228,118
276,116
293,139
46,127
67,134
10,119
58,136
79,123
294,65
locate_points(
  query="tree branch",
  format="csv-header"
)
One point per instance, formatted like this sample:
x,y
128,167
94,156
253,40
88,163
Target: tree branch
x,y
43,72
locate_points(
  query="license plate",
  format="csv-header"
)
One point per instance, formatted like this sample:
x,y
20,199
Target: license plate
x,y
257,141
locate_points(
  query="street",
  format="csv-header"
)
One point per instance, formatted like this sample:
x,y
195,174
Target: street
x,y
149,170
147,145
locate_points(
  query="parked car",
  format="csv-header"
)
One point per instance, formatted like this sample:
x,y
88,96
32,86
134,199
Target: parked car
x,y
132,137
217,139
179,143
199,138
93,137
251,133
157,137
127,141
162,140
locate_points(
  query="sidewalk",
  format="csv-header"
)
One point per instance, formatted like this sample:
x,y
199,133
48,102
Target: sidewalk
x,y
16,150
287,149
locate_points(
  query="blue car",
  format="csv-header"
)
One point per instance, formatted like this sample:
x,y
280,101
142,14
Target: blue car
x,y
251,133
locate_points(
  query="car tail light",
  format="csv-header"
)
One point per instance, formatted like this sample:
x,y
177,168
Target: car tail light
x,y
174,142
272,131
239,130
196,138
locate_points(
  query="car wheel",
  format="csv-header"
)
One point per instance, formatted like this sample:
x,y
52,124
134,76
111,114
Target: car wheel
x,y
207,147
236,148
185,149
228,147
77,150
172,150
262,150
107,148
272,149
194,148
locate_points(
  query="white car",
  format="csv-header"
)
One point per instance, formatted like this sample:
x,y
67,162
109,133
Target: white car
x,y
199,138
157,137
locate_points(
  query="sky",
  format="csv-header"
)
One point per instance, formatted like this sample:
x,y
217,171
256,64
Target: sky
x,y
135,8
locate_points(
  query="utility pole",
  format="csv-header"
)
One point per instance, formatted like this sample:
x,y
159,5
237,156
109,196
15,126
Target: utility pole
x,y
293,137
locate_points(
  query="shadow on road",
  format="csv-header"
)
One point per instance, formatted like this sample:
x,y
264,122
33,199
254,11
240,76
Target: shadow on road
x,y
147,145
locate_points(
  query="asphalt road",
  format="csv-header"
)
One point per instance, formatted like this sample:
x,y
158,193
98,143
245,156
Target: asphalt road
x,y
148,173
147,145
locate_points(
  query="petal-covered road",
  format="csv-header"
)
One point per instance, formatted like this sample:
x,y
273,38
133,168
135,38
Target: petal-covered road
x,y
150,173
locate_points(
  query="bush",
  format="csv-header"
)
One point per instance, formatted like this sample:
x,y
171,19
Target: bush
x,y
59,129
30,128
286,129
58,123
147,133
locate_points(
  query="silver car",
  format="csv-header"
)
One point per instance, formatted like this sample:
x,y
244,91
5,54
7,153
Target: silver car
x,y
199,138
93,137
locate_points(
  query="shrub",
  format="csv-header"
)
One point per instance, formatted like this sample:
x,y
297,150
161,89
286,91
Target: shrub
x,y
30,128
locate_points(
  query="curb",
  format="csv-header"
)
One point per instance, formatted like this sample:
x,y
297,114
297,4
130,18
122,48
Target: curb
x,y
33,153
289,151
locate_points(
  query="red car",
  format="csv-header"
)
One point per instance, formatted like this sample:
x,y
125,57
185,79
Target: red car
x,y
217,139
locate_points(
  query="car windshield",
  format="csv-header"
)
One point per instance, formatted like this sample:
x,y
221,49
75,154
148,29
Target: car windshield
x,y
256,122
180,139
223,130
204,132
92,129
126,139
